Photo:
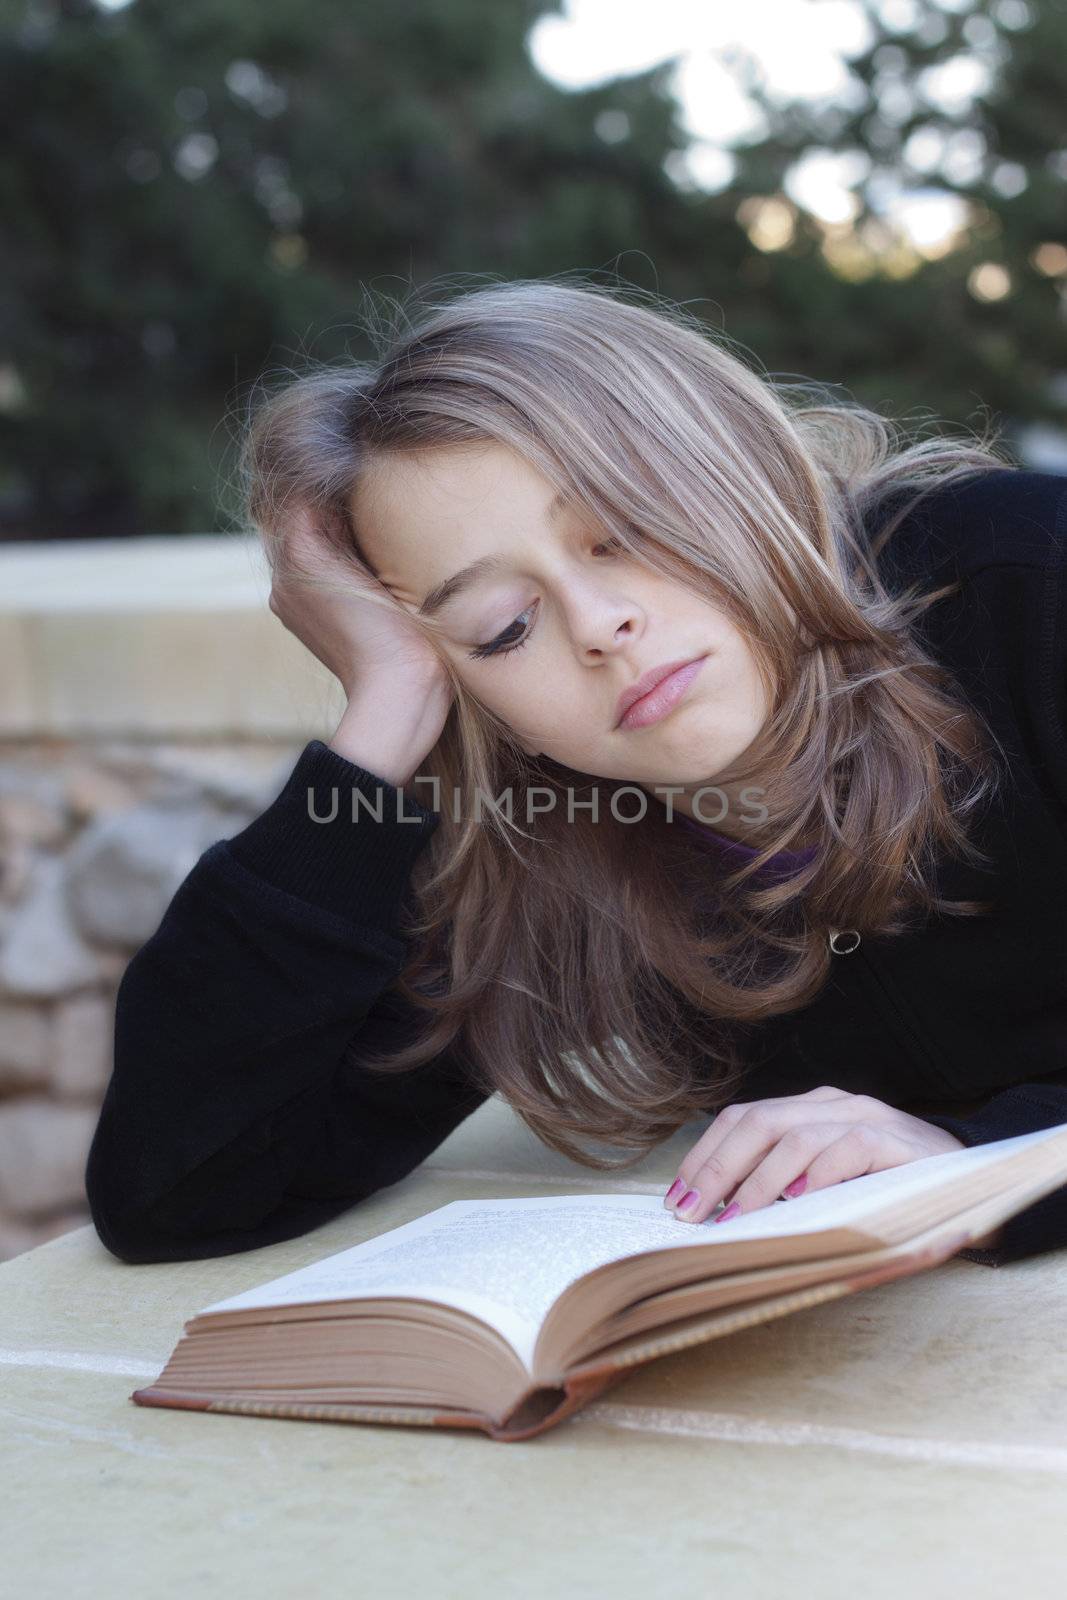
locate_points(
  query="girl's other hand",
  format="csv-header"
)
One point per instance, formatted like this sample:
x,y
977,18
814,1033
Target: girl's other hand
x,y
754,1153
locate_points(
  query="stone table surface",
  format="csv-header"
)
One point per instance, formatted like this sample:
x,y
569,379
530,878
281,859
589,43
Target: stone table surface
x,y
910,1437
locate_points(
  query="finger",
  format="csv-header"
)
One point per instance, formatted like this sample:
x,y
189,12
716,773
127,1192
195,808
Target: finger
x,y
713,1175
308,545
296,524
863,1148
728,1117
741,1135
767,1175
794,1156
312,541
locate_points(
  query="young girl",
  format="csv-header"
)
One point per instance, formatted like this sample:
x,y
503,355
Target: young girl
x,y
705,757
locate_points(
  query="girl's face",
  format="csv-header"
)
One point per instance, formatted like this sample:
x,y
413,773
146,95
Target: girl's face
x,y
551,634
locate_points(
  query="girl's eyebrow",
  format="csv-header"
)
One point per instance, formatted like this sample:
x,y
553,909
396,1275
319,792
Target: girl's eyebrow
x,y
439,597
452,587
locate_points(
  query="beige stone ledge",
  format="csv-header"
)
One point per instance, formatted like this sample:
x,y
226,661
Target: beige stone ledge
x,y
152,637
907,1439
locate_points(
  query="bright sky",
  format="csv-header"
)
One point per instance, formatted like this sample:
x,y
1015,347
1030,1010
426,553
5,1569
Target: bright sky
x,y
800,49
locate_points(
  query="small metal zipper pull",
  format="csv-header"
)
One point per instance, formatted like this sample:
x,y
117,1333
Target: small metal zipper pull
x,y
849,935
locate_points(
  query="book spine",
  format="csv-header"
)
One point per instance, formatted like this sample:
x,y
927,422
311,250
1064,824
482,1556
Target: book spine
x,y
575,1392
300,1411
538,1409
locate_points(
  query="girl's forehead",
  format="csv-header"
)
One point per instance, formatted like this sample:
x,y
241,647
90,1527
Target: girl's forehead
x,y
457,481
414,515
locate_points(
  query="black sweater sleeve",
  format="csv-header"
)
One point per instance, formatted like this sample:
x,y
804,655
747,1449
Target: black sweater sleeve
x,y
1026,1107
237,1113
1022,1109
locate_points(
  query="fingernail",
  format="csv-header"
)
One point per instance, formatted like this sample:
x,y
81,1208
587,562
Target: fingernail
x,y
690,1198
675,1190
797,1186
731,1211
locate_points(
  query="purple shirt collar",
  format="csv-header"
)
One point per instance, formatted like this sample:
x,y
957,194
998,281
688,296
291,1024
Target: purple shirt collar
x,y
789,860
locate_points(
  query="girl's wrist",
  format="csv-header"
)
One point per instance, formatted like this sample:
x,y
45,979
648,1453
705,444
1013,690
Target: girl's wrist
x,y
385,736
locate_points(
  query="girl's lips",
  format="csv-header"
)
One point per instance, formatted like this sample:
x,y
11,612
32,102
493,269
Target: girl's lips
x,y
656,704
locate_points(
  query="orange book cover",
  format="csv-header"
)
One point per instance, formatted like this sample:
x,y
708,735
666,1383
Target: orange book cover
x,y
542,1407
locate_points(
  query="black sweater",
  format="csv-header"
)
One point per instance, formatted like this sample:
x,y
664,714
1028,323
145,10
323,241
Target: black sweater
x,y
238,1114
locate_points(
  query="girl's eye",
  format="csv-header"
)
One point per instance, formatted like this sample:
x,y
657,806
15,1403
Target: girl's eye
x,y
502,645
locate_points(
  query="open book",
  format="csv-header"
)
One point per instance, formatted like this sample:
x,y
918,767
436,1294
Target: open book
x,y
508,1315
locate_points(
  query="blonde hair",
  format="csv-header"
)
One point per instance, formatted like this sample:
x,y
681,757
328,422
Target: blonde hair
x,y
573,966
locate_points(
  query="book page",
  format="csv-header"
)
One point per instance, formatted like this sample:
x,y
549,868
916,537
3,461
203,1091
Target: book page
x,y
507,1261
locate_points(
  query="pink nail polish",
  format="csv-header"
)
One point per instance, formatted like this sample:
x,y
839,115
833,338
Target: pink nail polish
x,y
731,1211
797,1186
675,1189
690,1198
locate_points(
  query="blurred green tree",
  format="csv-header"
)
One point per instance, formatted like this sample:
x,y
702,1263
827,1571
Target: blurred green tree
x,y
195,194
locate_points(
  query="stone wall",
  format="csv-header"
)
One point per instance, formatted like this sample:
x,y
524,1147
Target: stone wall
x,y
94,839
150,704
